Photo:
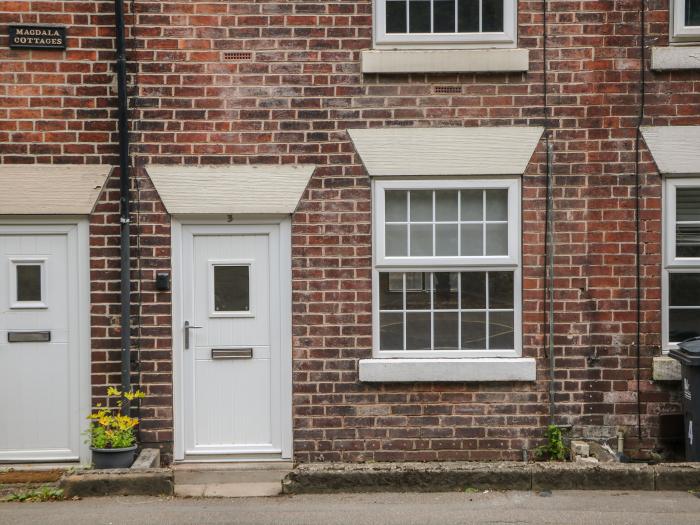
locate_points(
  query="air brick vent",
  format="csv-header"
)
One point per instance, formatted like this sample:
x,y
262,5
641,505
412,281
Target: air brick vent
x,y
238,55
447,90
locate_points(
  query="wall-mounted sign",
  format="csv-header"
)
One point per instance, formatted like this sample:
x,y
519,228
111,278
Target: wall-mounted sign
x,y
37,37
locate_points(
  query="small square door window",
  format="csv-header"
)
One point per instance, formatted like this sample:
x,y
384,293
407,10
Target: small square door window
x,y
231,288
27,284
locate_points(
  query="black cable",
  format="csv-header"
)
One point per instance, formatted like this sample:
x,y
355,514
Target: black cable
x,y
545,109
548,226
137,233
637,151
549,280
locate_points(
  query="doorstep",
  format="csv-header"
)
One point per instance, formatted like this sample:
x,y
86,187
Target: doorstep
x,y
230,480
15,473
449,476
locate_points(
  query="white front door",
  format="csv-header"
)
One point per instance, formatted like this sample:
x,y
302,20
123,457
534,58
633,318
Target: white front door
x,y
233,376
42,368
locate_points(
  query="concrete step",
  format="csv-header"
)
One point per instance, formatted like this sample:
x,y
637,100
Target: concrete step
x,y
230,480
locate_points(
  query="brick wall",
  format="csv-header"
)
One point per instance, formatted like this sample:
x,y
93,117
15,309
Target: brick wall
x,y
292,102
151,309
58,107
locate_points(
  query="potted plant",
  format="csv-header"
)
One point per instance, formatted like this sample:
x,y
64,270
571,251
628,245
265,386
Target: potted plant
x,y
112,435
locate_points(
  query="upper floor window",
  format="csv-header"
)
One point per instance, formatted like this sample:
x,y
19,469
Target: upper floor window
x,y
685,21
450,22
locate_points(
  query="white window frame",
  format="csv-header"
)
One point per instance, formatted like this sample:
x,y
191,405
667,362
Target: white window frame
x,y
673,264
27,261
510,184
511,262
506,38
213,263
679,32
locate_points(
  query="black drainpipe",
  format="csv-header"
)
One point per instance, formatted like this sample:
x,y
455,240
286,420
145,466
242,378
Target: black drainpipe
x,y
125,264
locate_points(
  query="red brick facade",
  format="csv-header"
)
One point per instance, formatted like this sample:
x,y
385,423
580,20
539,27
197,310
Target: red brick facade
x,y
291,102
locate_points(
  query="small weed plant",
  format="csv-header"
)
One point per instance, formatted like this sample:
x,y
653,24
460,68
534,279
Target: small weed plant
x,y
555,449
41,494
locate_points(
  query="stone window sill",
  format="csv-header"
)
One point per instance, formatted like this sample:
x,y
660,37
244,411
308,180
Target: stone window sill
x,y
445,61
675,58
476,369
666,368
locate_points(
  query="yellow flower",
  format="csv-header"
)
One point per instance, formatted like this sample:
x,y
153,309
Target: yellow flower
x,y
137,394
111,391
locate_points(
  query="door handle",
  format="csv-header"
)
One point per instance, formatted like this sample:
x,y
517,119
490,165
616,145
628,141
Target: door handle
x,y
189,327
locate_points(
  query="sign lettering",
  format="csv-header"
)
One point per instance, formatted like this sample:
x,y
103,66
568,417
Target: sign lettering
x,y
37,37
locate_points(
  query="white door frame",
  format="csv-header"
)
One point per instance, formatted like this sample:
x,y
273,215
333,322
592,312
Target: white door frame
x,y
79,226
285,329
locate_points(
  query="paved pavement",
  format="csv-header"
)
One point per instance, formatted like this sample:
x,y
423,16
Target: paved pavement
x,y
493,508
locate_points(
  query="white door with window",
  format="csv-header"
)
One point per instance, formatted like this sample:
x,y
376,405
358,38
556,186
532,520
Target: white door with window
x,y
43,336
234,382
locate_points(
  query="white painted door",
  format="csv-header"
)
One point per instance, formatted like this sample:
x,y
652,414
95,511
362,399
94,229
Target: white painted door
x,y
40,343
232,374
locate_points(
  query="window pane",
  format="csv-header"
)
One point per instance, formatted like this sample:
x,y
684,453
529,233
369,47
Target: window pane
x,y
472,205
688,204
692,12
446,293
446,206
496,205
391,291
417,282
501,334
446,331
421,239
396,16
419,16
496,239
444,16
396,204
468,17
683,324
446,239
688,210
472,239
492,15
396,240
688,240
421,205
231,289
473,290
684,289
418,291
501,290
28,282
418,331
391,331
473,330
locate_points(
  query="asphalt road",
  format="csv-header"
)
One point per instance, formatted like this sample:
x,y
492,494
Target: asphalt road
x,y
493,508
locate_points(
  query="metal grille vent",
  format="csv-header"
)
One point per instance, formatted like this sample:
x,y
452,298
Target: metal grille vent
x,y
238,55
447,90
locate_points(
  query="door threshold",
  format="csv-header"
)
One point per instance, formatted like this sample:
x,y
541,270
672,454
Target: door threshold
x,y
11,473
234,463
39,465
